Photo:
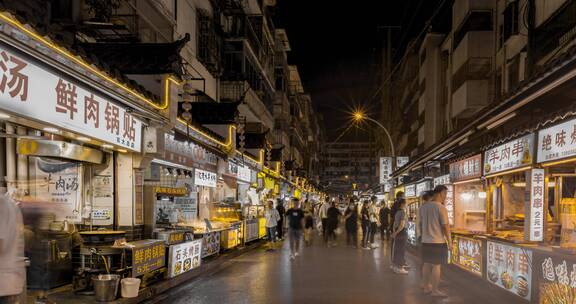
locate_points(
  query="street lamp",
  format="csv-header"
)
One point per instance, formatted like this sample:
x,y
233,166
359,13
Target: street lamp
x,y
359,116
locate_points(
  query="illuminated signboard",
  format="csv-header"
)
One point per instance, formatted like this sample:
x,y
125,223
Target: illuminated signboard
x,y
511,155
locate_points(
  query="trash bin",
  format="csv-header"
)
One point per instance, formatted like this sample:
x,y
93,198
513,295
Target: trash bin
x,y
130,287
105,287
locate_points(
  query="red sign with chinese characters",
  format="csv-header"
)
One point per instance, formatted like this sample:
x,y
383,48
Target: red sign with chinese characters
x,y
33,91
468,168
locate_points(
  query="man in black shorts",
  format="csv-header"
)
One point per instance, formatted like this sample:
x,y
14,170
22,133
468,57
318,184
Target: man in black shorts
x,y
435,230
295,217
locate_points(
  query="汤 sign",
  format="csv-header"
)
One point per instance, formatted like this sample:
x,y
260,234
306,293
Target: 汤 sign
x,y
36,92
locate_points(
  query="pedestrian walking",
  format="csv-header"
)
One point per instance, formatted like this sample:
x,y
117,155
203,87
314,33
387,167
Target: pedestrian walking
x,y
365,219
435,229
272,217
333,219
324,219
374,221
12,268
282,211
351,222
400,237
308,224
295,217
384,215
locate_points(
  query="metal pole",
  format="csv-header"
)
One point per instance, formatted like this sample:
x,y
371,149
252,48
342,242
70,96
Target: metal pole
x,y
385,131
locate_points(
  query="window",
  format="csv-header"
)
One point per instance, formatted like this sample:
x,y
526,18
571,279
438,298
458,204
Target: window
x,y
510,20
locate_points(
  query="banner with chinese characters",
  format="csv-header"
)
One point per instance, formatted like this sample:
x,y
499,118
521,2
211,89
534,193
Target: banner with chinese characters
x,y
187,207
422,187
442,180
511,155
385,169
29,89
204,178
102,193
449,203
60,183
465,169
510,268
184,257
410,190
555,277
147,255
557,142
188,153
244,173
401,161
467,254
534,227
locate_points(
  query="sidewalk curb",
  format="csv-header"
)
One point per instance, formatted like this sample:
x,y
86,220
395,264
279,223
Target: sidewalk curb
x,y
208,267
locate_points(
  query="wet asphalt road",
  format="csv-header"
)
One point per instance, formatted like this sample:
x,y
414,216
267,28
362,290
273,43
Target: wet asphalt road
x,y
326,275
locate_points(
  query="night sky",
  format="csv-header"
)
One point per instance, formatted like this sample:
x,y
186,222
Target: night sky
x,y
336,46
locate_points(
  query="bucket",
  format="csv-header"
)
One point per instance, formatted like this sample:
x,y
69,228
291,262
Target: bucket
x,y
105,287
130,287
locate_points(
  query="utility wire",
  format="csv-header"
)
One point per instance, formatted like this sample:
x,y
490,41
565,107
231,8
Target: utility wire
x,y
424,30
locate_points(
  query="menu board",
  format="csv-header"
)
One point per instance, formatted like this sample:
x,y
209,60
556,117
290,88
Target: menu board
x,y
467,254
555,277
147,255
511,155
184,257
422,187
509,268
210,243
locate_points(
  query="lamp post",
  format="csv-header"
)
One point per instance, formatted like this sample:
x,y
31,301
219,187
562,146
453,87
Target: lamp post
x,y
359,116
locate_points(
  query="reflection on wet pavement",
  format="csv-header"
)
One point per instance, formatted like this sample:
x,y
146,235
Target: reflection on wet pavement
x,y
326,275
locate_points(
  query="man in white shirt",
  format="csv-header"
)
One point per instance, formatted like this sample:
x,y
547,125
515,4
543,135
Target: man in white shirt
x,y
12,267
435,230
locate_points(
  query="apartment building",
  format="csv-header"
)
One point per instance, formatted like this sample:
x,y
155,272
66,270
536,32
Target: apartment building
x,y
479,67
349,166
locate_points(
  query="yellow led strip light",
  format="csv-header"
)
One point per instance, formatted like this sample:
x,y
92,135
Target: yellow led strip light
x,y
227,144
4,16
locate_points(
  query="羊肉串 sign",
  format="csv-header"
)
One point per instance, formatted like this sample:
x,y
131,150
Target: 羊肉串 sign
x,y
511,155
535,208
510,268
34,91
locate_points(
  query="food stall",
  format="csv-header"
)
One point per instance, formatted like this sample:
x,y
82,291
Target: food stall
x,y
228,217
253,216
469,198
508,172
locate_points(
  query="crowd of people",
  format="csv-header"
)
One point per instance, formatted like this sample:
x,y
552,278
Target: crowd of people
x,y
371,217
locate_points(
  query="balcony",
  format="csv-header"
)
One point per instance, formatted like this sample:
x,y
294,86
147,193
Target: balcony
x,y
252,106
